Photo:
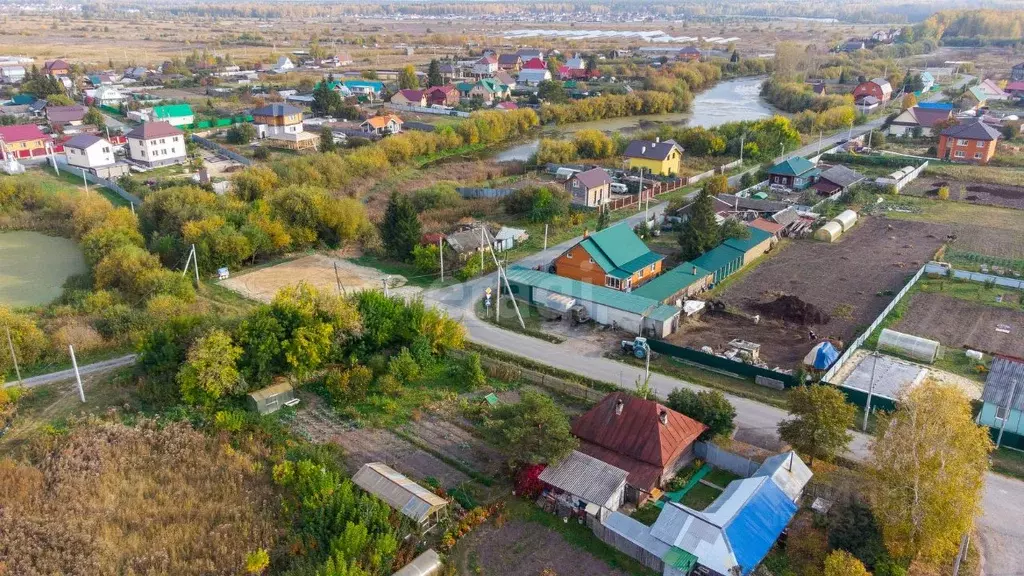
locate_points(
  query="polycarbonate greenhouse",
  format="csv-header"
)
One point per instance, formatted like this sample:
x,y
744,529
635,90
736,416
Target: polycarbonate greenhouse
x,y
908,345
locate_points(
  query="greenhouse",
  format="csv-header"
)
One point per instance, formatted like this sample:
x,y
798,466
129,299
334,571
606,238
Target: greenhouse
x,y
909,346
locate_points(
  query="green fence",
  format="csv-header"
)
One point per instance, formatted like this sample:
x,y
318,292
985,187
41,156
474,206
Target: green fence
x,y
218,123
111,109
859,398
884,161
1010,439
718,363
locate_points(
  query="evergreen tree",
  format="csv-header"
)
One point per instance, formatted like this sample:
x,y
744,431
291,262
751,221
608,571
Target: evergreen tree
x,y
327,143
735,56
602,219
400,231
434,74
701,232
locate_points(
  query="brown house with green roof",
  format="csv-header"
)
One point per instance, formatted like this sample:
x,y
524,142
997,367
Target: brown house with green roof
x,y
614,257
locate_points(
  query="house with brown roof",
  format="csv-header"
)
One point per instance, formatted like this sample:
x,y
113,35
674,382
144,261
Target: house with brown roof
x,y
511,62
973,142
876,87
645,438
918,117
409,98
447,95
485,66
155,144
57,67
591,188
66,115
689,54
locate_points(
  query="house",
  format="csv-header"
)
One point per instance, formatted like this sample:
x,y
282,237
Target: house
x,y
104,79
680,283
530,53
506,106
12,74
576,63
585,485
927,81
591,188
533,76
796,173
535,63
1017,73
450,71
136,72
992,90
512,62
56,67
382,125
369,88
66,115
1016,89
973,142
277,119
689,54
722,261
754,207
485,66
156,144
413,501
877,87
605,306
852,46
107,96
837,179
22,141
566,73
507,237
447,95
409,98
648,440
866,103
773,228
722,210
613,257
505,78
470,241
655,157
174,114
486,89
94,154
919,117
284,64
1002,401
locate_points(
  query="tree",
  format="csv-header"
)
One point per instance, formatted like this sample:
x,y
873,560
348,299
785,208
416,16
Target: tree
x,y
852,528
593,144
241,134
700,232
591,63
820,418
926,473
602,218
534,430
407,79
209,372
840,563
434,77
909,101
59,100
709,407
400,230
552,91
94,118
733,228
325,100
735,58
717,185
327,143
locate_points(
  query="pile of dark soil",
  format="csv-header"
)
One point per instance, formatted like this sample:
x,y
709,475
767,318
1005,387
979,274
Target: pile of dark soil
x,y
792,309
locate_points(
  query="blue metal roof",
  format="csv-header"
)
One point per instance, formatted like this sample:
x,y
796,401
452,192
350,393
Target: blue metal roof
x,y
935,105
758,524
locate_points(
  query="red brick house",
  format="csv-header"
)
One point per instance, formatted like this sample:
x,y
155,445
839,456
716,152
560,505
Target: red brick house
x,y
973,142
447,95
689,54
646,439
877,87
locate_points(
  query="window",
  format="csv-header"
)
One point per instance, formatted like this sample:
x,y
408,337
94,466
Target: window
x,y
175,139
652,268
591,260
961,142
568,255
106,149
1000,412
163,141
977,155
959,154
612,282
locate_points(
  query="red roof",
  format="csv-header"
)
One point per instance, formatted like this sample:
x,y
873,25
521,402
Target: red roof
x,y
446,89
767,225
1015,86
20,133
637,431
641,474
507,106
535,64
412,95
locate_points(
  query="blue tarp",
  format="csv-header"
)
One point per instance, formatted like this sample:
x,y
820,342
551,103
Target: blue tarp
x,y
827,354
758,524
935,105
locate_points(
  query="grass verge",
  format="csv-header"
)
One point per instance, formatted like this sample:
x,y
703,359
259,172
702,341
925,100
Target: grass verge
x,y
509,320
1008,462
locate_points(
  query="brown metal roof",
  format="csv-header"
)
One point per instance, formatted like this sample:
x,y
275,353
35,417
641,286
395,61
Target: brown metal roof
x,y
640,474
151,130
637,431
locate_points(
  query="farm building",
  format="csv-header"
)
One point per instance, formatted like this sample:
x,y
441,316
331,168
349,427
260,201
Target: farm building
x,y
773,228
682,282
837,179
270,399
830,232
586,485
752,246
605,306
646,439
412,500
425,564
722,261
796,173
1003,401
731,536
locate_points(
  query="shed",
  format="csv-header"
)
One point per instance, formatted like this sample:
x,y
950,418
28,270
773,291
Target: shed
x,y
913,347
425,564
721,261
846,219
588,480
753,246
681,282
270,399
401,493
830,232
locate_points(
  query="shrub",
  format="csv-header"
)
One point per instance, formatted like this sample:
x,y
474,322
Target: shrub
x,y
347,386
440,195
470,371
403,367
944,193
388,385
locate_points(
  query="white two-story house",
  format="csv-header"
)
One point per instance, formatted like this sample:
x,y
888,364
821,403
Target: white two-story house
x,y
93,154
156,144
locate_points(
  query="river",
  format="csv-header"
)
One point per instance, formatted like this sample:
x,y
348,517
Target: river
x,y
729,101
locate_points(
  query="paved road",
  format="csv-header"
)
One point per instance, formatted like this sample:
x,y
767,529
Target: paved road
x,y
1000,528
69,374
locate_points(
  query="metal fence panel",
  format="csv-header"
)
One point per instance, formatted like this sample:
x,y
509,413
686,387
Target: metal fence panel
x,y
94,179
484,192
979,277
719,458
719,364
210,145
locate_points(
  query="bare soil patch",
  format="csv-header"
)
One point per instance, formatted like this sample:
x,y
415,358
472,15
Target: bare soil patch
x,y
843,285
525,549
457,444
962,324
973,192
318,270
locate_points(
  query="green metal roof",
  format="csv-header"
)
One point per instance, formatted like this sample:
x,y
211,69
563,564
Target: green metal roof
x,y
172,111
794,166
744,245
680,559
492,399
629,302
676,279
492,85
718,257
618,251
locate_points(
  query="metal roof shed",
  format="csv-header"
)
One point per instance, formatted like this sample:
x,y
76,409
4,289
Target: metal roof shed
x,y
401,493
721,261
667,287
588,479
270,399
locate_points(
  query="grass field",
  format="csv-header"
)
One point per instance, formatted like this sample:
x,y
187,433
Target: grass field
x,y
34,266
700,496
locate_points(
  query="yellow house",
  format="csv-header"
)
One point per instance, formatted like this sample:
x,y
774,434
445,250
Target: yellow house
x,y
655,156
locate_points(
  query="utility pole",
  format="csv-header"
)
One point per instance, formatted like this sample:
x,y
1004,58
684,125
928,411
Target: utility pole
x,y
385,281
440,256
195,264
483,241
14,356
85,181
78,377
871,390
515,306
545,236
1009,406
821,134
743,139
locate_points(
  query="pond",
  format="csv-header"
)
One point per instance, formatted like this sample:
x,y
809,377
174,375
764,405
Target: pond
x,y
34,266
729,101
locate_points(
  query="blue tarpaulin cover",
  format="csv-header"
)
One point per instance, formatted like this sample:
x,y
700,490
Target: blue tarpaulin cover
x,y
827,354
757,525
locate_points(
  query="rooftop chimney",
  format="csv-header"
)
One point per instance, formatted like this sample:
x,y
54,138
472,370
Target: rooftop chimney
x,y
694,270
657,139
663,416
618,407
643,150
586,232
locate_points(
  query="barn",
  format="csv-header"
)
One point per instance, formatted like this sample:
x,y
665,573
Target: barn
x,y
721,261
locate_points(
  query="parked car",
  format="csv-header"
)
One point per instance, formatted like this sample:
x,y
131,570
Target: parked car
x,y
618,188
